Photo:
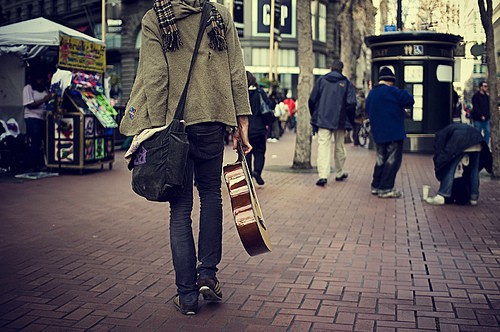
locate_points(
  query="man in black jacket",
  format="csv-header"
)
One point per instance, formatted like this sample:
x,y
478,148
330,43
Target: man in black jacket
x,y
332,105
481,110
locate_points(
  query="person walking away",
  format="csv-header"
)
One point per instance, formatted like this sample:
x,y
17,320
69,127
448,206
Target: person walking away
x,y
217,97
385,106
273,130
332,104
257,123
35,98
359,116
481,111
459,144
456,107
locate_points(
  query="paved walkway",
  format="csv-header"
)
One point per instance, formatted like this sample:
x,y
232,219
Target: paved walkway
x,y
85,253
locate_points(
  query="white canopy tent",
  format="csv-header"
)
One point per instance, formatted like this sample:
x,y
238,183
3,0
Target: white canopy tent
x,y
38,31
22,41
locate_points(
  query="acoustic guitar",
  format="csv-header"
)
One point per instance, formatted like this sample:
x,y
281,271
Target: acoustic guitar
x,y
245,205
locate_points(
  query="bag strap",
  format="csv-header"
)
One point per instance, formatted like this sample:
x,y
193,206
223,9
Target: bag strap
x,y
179,112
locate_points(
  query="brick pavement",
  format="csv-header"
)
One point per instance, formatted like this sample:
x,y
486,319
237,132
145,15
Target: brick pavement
x,y
85,253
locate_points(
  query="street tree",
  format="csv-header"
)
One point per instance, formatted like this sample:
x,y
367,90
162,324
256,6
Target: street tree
x,y
442,16
302,155
383,9
486,12
357,18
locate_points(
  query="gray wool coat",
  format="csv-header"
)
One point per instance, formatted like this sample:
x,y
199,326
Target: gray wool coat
x,y
218,90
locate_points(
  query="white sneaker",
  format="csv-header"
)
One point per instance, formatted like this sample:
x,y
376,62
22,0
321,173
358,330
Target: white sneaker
x,y
473,202
436,200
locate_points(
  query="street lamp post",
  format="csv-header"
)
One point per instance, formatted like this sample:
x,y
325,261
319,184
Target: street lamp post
x,y
103,21
271,43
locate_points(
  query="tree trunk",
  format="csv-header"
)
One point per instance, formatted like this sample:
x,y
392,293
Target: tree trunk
x,y
486,11
384,9
346,33
302,157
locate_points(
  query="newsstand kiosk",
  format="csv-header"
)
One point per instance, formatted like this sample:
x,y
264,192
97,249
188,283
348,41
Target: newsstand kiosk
x,y
423,65
80,130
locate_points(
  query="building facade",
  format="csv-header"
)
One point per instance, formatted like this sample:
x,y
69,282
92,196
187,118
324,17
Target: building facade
x,y
123,34
252,19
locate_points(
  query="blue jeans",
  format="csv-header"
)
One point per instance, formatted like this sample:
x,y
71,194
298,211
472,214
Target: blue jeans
x,y
35,132
484,127
206,149
446,185
388,162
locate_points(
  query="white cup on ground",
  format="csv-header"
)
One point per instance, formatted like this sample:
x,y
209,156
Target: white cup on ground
x,y
425,191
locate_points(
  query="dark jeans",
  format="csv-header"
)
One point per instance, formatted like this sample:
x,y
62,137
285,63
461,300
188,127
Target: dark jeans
x,y
355,132
389,157
205,165
258,144
35,132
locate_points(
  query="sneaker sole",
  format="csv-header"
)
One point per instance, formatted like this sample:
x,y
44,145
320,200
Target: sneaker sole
x,y
184,312
209,295
390,196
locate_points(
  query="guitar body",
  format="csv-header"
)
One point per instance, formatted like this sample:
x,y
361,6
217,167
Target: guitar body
x,y
246,209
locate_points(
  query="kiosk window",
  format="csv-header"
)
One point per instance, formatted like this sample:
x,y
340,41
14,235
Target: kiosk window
x,y
414,74
444,73
418,113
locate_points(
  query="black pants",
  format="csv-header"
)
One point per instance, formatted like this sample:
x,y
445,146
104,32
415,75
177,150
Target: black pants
x,y
258,144
389,157
35,132
355,132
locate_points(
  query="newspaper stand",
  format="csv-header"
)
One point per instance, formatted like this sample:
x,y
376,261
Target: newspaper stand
x,y
80,129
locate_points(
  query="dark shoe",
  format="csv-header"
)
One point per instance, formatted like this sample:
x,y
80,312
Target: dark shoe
x,y
321,182
210,289
258,178
185,309
342,177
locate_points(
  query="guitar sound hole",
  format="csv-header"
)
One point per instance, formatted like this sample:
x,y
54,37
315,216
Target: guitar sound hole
x,y
261,222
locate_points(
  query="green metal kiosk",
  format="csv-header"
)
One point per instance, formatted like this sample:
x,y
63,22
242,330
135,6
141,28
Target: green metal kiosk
x,y
423,65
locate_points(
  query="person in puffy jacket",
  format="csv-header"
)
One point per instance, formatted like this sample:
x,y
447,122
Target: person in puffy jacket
x,y
332,104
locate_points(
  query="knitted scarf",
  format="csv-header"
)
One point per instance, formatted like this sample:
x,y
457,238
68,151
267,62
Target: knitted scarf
x,y
171,39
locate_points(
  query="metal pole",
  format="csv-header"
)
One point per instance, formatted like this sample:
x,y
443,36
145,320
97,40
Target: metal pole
x,y
271,44
399,16
276,46
103,21
231,8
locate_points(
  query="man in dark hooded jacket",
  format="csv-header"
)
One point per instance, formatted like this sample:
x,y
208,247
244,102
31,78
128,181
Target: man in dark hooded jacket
x,y
332,105
452,144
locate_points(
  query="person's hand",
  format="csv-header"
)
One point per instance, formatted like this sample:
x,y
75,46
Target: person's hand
x,y
314,130
48,97
483,118
241,134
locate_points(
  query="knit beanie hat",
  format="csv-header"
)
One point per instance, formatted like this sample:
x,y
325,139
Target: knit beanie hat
x,y
386,74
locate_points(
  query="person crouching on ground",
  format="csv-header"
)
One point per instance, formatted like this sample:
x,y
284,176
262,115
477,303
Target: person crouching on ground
x,y
459,143
385,106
